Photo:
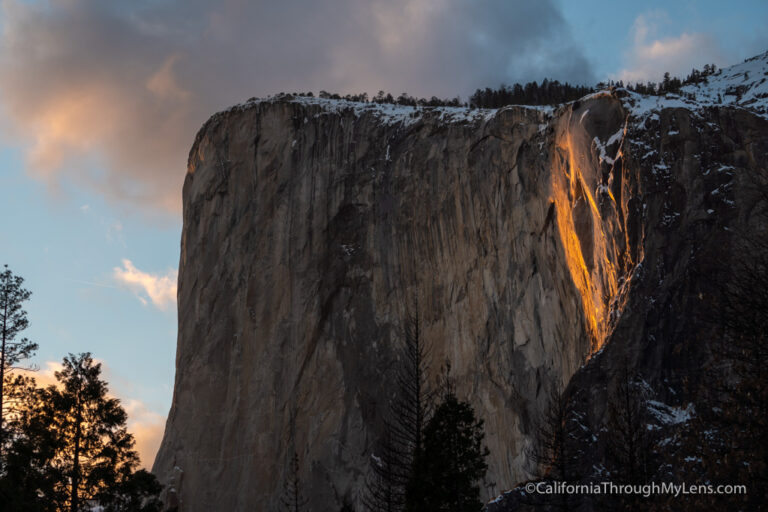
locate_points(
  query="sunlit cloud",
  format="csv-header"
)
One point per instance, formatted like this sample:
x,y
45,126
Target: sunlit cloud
x,y
158,289
110,94
46,374
147,428
652,55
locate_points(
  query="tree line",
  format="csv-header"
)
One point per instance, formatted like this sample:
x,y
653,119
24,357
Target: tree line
x,y
668,84
548,92
63,447
382,97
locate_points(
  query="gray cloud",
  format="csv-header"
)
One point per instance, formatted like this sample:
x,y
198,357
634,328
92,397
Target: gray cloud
x,y
122,87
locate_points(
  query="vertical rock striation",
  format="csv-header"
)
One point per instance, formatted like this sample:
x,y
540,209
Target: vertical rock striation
x,y
525,234
307,227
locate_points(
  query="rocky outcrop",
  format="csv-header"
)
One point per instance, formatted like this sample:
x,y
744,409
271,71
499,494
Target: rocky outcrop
x,y
522,232
699,172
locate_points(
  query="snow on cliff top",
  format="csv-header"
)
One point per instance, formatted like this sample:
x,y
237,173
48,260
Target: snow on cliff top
x,y
390,113
743,85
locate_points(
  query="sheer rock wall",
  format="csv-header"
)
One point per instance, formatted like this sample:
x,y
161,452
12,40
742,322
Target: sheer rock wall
x,y
310,224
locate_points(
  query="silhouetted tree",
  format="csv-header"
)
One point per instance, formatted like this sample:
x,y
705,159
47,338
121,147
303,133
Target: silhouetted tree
x,y
293,499
95,453
13,320
448,470
70,447
665,83
629,447
26,484
550,92
629,444
401,442
138,492
556,450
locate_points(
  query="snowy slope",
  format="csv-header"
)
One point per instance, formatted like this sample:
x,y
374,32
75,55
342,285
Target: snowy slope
x,y
743,85
387,113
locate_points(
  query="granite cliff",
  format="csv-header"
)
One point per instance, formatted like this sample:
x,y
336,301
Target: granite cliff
x,y
533,239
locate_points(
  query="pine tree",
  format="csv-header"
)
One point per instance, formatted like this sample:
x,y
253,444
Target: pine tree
x,y
138,492
629,445
452,463
556,451
401,441
95,454
27,484
293,500
385,489
666,82
629,452
70,446
13,320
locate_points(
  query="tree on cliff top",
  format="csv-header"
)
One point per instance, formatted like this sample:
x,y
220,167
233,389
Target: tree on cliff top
x,y
13,320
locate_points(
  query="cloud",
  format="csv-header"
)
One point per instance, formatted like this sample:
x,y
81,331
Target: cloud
x,y
147,428
651,55
159,289
110,94
45,375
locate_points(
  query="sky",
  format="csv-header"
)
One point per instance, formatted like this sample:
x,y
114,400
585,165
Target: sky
x,y
100,102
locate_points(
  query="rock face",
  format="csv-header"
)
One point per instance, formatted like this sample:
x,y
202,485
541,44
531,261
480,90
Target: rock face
x,y
523,234
702,188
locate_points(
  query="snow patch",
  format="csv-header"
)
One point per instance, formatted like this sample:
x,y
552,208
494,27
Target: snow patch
x,y
740,86
669,415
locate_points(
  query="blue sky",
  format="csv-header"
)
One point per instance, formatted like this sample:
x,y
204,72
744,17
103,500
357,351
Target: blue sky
x,y
606,30
100,103
66,245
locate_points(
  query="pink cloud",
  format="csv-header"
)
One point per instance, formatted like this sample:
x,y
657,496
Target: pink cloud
x,y
651,56
147,428
155,288
109,95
